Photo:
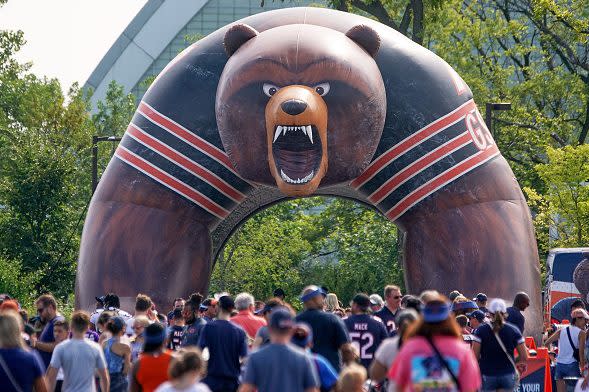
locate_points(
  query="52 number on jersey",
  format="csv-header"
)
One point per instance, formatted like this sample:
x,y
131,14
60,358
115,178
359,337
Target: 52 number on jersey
x,y
362,342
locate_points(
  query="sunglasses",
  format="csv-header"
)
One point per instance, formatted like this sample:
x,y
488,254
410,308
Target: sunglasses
x,y
397,297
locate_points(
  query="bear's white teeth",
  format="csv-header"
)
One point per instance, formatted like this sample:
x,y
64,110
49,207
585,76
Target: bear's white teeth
x,y
304,180
306,129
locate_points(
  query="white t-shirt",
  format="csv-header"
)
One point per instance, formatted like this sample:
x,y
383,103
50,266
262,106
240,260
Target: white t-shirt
x,y
387,351
565,351
198,387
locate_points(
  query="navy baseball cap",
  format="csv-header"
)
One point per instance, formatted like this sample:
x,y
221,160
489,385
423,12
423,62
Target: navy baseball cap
x,y
477,314
481,297
315,291
464,305
281,319
436,312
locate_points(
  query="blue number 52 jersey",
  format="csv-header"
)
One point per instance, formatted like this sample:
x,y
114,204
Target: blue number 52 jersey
x,y
367,333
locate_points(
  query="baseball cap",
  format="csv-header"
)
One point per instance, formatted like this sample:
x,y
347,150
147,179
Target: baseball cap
x,y
362,300
281,320
580,312
481,297
497,305
376,299
436,312
302,335
311,292
226,303
477,314
464,305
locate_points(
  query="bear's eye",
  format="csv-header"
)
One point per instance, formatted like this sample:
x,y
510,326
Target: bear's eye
x,y
270,89
322,88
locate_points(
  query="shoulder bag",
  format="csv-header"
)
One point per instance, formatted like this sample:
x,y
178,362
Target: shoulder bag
x,y
9,375
575,350
517,375
443,361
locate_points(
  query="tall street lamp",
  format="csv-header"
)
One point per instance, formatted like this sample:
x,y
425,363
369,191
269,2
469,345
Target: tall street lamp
x,y
489,108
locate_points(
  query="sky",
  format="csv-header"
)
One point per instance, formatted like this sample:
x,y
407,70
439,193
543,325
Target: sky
x,y
66,39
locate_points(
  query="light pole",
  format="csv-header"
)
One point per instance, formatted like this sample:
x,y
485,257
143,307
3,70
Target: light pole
x,y
95,141
489,108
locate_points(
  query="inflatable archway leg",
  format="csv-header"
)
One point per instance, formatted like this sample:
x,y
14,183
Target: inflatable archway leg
x,y
475,236
139,236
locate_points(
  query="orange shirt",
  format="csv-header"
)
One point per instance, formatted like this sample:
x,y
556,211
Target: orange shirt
x,y
153,370
250,323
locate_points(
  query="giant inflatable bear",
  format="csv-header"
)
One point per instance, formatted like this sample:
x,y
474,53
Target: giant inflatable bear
x,y
298,102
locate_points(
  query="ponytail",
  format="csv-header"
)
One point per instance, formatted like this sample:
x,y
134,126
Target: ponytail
x,y
498,322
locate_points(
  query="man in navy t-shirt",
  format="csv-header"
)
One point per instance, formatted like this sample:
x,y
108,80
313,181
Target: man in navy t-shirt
x,y
514,313
227,344
366,332
47,311
330,336
392,298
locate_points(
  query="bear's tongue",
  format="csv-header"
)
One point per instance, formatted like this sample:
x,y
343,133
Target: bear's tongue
x,y
296,157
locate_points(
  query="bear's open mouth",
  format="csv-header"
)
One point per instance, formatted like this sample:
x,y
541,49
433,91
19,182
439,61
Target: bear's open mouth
x,y
297,152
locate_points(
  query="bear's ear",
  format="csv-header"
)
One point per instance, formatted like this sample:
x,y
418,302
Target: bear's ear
x,y
366,37
236,36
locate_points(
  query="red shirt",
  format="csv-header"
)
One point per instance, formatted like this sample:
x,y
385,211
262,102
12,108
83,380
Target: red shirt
x,y
153,370
250,323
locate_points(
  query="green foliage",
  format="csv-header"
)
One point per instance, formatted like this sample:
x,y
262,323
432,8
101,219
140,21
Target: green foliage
x,y
335,243
45,153
18,283
562,218
115,112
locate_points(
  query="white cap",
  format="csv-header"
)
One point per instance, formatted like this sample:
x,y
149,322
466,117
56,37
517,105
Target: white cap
x,y
376,299
580,312
497,305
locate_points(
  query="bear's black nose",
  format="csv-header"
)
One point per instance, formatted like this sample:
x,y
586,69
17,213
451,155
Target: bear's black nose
x,y
293,106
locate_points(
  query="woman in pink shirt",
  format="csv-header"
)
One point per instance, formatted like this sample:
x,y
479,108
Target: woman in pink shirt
x,y
434,357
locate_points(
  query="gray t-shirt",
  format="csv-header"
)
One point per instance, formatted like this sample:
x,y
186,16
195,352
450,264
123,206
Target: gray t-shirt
x,y
79,360
279,367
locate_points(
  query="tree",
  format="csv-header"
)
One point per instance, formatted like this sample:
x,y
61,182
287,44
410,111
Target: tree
x,y
564,208
332,242
518,51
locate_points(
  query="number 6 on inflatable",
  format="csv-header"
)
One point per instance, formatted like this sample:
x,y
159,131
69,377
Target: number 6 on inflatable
x,y
298,102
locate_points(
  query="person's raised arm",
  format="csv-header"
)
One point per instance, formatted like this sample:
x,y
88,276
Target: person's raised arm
x,y
552,338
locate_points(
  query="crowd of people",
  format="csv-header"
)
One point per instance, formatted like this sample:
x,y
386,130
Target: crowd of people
x,y
228,343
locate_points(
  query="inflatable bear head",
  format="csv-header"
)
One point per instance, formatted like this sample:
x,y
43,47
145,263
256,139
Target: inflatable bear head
x,y
304,101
